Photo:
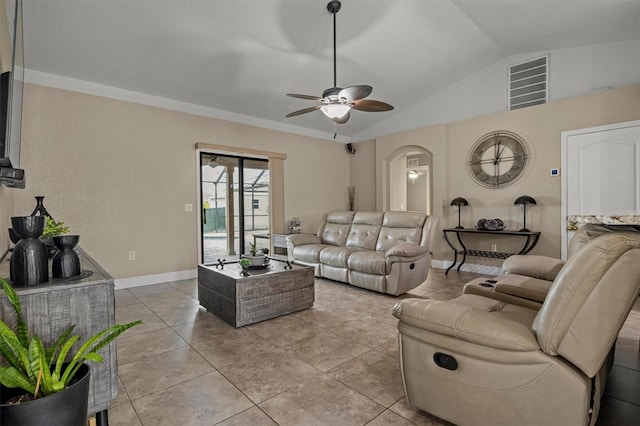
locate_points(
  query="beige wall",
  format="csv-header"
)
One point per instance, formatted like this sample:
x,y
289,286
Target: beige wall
x,y
362,172
119,174
540,126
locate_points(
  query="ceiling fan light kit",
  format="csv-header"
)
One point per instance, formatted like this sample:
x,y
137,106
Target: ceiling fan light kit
x,y
336,101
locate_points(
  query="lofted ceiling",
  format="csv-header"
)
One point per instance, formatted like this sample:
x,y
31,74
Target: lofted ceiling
x,y
238,58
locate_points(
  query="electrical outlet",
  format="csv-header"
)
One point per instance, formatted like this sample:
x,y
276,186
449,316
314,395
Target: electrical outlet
x,y
188,207
132,255
494,247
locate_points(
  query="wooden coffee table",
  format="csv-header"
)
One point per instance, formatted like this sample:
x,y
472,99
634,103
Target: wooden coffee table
x,y
266,293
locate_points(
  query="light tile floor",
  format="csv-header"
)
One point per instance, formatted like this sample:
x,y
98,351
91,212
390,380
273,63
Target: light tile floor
x,y
334,364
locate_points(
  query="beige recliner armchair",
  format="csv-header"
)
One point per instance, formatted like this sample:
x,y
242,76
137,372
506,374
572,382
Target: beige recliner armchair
x,y
475,360
528,278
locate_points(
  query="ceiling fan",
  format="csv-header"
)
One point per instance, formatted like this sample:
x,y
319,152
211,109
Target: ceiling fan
x,y
336,102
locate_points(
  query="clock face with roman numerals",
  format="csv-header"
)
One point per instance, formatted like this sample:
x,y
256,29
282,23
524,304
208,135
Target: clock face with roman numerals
x,y
498,159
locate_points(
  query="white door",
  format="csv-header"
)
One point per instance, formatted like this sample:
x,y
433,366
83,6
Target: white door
x,y
601,172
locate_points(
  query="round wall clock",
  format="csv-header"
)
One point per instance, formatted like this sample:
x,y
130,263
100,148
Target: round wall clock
x,y
498,159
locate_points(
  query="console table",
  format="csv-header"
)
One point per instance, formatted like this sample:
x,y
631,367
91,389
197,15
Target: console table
x,y
86,300
531,239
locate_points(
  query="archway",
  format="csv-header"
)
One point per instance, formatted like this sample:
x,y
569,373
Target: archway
x,y
408,180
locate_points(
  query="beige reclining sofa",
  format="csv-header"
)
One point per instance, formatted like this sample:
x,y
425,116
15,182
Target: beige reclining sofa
x,y
475,360
389,252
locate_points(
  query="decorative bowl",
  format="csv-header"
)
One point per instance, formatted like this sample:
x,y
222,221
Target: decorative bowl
x,y
490,225
256,260
28,226
63,242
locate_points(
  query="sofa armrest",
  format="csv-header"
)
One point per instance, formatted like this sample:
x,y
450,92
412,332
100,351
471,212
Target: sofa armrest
x,y
542,267
466,323
523,286
300,239
406,250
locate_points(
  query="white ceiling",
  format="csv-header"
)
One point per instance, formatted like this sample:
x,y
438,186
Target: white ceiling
x,y
242,56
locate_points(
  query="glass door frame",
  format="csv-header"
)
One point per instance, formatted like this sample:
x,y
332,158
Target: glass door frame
x,y
276,184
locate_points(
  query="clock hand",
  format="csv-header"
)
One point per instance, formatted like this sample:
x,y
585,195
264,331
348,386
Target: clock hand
x,y
497,160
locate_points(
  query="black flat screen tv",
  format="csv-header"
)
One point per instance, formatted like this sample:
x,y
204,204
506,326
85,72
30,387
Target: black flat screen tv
x,y
11,88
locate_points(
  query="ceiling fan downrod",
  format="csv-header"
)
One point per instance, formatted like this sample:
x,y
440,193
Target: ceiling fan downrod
x,y
334,7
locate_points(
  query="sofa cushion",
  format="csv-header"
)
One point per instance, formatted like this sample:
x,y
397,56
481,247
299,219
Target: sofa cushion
x,y
336,229
400,227
370,262
337,256
363,236
365,230
309,253
472,318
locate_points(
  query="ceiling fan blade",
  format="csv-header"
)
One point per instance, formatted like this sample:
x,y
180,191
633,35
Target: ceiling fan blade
x,y
354,93
343,119
371,106
303,111
308,97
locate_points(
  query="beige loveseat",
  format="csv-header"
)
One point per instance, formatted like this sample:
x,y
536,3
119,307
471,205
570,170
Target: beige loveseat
x,y
389,252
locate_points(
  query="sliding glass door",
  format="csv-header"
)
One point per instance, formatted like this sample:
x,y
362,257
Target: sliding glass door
x,y
235,205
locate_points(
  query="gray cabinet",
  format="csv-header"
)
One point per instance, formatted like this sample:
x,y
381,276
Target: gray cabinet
x,y
88,302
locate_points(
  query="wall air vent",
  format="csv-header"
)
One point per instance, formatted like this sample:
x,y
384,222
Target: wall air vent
x,y
529,83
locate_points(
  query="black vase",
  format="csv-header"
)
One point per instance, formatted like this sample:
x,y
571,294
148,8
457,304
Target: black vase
x,y
40,208
67,407
66,262
29,261
13,236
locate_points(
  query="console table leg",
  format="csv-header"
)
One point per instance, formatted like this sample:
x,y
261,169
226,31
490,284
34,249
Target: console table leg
x,y
455,253
455,260
102,418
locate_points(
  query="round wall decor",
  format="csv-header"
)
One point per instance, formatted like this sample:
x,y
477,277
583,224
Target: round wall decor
x,y
498,159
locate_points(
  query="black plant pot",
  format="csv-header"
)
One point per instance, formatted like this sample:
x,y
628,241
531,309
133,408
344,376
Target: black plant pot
x,y
67,407
66,262
29,261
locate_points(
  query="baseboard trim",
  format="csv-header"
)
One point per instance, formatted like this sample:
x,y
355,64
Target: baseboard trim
x,y
469,267
122,283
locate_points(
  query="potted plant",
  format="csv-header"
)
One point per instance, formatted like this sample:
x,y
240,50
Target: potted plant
x,y
245,264
52,229
46,385
256,256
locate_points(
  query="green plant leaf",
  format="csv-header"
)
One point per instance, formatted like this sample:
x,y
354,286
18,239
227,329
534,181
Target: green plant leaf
x,y
10,346
39,363
23,333
51,352
103,338
112,333
12,378
63,354
53,229
93,356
